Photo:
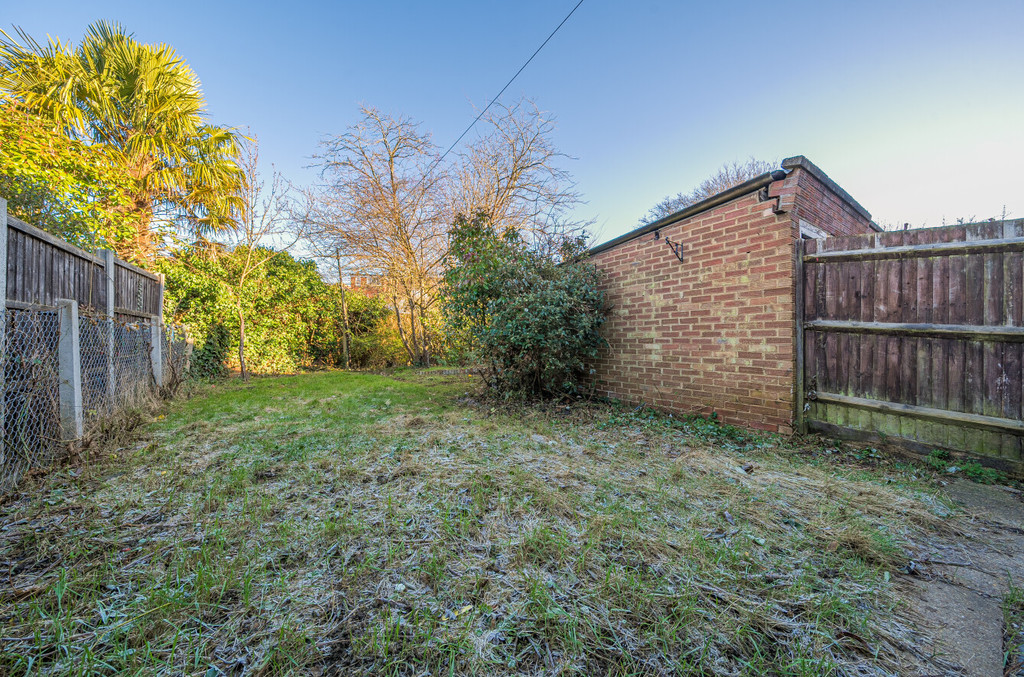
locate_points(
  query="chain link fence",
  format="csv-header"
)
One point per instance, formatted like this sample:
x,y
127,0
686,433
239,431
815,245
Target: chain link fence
x,y
116,363
176,352
132,368
93,337
31,404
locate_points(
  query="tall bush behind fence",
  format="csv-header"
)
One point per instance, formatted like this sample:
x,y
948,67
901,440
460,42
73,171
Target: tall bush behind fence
x,y
81,337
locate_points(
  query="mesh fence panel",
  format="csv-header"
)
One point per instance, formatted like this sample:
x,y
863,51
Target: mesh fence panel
x,y
93,334
116,371
133,371
165,349
31,402
176,352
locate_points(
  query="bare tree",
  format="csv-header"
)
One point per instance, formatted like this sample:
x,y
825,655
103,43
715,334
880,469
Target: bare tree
x,y
512,173
727,176
263,232
381,210
388,202
325,245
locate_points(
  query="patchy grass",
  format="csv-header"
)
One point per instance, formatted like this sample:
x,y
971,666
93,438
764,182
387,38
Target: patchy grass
x,y
1013,631
350,523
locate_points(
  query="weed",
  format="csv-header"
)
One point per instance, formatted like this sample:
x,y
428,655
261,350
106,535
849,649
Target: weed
x,y
1013,630
938,459
976,472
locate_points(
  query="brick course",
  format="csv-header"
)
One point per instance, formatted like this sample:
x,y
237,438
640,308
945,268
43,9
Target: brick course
x,y
715,333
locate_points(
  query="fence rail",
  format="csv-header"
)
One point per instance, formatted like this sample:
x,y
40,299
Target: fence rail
x,y
916,336
76,344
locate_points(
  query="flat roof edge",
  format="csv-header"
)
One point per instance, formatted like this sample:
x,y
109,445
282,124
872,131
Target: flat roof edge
x,y
745,188
803,163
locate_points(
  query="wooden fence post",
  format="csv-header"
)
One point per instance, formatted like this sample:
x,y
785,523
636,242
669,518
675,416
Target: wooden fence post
x,y
160,298
69,367
108,274
798,300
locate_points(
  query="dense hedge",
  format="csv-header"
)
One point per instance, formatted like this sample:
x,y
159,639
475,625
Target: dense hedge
x,y
293,318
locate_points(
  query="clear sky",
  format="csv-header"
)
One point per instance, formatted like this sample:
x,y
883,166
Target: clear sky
x,y
916,108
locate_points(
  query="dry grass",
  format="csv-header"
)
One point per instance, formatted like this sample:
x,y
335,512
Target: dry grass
x,y
344,523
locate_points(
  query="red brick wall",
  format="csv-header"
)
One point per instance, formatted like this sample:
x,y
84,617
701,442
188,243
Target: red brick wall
x,y
715,332
807,194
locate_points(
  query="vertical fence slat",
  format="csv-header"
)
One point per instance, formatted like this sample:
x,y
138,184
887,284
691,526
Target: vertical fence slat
x,y
880,343
891,424
818,338
1013,354
908,344
864,344
925,394
841,341
994,376
974,361
956,380
828,343
19,270
109,268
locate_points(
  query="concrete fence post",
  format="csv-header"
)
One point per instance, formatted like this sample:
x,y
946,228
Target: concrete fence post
x,y
69,370
190,344
156,338
108,276
156,349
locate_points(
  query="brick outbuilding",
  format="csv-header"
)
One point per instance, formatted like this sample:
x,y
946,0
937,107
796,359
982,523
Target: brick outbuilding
x,y
702,302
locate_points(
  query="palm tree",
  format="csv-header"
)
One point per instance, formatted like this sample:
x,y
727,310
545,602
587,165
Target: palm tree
x,y
144,102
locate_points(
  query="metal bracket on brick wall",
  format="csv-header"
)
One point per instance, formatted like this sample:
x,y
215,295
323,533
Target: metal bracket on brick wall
x,y
676,247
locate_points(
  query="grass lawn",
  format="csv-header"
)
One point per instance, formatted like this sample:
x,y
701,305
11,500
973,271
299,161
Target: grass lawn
x,y
340,523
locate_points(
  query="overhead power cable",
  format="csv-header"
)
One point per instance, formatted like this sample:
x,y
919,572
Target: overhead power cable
x,y
498,96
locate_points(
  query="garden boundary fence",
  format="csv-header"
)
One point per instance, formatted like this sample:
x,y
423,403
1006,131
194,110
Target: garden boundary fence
x,y
81,337
916,337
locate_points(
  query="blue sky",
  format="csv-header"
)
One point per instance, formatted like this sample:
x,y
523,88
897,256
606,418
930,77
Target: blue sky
x,y
916,108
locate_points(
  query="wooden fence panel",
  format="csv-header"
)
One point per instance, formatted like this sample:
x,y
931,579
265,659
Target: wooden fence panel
x,y
136,291
42,268
917,336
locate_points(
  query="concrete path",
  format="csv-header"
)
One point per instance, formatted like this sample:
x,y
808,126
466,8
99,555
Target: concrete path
x,y
957,585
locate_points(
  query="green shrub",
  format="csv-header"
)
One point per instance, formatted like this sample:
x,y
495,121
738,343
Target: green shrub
x,y
531,321
374,334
